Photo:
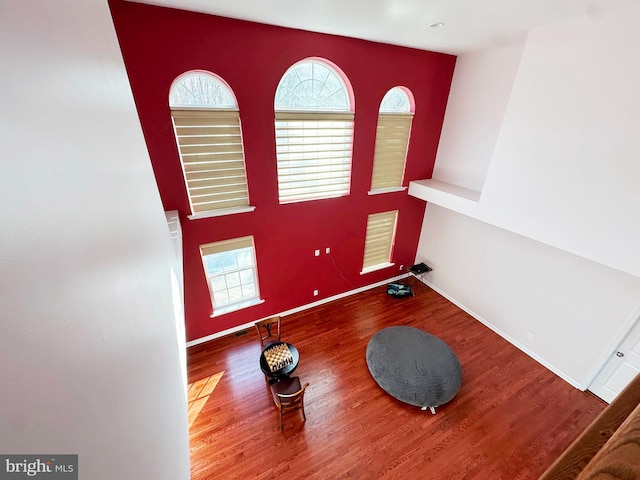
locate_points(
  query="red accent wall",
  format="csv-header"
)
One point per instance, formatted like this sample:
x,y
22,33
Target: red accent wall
x,y
158,44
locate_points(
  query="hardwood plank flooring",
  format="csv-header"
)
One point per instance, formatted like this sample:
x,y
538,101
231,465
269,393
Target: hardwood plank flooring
x,y
510,420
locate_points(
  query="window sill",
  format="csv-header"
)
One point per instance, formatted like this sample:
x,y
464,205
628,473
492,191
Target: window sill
x,y
219,213
379,191
236,306
376,267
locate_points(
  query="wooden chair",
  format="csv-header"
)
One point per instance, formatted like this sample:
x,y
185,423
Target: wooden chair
x,y
288,395
267,328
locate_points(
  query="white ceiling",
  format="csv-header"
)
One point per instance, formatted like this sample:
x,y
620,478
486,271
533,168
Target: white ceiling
x,y
469,24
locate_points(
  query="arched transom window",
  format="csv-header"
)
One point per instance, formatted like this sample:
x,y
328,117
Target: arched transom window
x,y
201,90
207,127
314,132
392,140
395,100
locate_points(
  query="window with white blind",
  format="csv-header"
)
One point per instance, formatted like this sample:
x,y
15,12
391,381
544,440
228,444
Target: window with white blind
x,y
392,141
206,121
314,132
232,275
381,229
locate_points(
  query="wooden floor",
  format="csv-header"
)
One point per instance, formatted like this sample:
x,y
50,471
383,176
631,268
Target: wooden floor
x,y
510,420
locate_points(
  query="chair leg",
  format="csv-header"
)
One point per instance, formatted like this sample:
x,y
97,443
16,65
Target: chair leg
x,y
280,417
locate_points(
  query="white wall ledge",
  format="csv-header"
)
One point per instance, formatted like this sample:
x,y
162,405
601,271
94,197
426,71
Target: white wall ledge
x,y
444,194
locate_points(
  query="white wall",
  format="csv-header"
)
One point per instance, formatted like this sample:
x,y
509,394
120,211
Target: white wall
x,y
88,344
563,175
565,165
474,115
567,162
561,309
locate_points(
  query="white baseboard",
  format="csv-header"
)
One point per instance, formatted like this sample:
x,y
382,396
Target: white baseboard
x,y
244,326
509,339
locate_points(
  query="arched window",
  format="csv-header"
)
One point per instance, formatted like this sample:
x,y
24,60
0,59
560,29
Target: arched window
x,y
395,100
392,140
207,127
314,132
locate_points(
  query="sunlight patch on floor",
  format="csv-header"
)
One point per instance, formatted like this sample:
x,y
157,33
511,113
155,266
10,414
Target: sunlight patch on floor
x,y
198,393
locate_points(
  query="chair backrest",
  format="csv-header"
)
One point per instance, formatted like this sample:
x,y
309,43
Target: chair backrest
x,y
289,401
292,400
268,328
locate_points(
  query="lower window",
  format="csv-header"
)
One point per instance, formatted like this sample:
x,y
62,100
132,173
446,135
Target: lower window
x,y
232,275
381,231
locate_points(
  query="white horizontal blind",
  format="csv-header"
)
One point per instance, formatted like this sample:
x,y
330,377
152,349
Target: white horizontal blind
x,y
226,245
212,155
379,240
392,141
314,155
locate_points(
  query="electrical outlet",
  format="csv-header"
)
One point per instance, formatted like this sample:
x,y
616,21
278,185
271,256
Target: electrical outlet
x,y
315,293
529,335
317,253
